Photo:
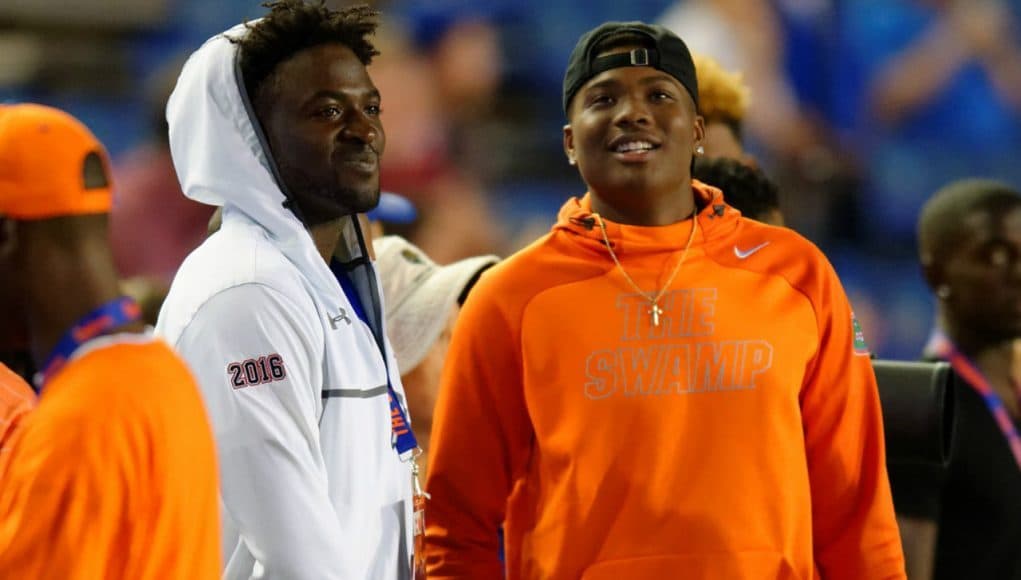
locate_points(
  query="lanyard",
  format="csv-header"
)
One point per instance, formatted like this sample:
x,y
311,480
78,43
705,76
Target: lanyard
x,y
103,319
403,438
967,369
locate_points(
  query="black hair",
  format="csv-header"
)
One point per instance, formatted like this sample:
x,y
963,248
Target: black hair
x,y
295,25
941,223
745,188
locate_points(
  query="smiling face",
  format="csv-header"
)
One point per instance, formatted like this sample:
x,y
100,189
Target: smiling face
x,y
321,114
633,131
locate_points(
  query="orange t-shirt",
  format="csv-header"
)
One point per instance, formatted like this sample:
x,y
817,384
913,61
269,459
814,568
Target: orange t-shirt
x,y
113,476
740,438
16,399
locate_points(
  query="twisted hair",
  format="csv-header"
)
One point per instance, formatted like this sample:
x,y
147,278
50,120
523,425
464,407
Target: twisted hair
x,y
723,96
295,25
745,188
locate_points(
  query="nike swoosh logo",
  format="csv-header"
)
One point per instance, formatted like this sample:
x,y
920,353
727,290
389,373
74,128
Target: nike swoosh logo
x,y
742,255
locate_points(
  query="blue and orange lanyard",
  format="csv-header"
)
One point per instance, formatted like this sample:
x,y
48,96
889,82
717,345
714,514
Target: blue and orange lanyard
x,y
403,440
98,322
969,371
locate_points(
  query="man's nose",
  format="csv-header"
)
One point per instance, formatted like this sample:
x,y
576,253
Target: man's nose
x,y
632,110
359,127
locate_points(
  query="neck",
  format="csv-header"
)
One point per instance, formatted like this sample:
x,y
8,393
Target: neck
x,y
326,236
635,210
969,340
998,359
62,290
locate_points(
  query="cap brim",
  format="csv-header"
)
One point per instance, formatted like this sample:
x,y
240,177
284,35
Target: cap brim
x,y
417,322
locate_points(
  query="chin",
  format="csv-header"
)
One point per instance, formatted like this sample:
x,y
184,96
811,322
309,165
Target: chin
x,y
360,200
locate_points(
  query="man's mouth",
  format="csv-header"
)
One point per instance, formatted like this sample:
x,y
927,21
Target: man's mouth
x,y
363,161
633,150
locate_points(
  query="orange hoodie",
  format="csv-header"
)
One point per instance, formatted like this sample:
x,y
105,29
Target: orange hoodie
x,y
739,439
113,475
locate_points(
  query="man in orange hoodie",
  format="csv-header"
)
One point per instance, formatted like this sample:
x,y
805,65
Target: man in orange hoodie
x,y
113,475
658,388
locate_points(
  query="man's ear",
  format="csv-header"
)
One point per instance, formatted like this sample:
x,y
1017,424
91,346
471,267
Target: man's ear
x,y
699,130
569,144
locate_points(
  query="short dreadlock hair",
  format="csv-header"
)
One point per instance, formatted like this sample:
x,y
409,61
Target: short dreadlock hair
x,y
295,25
745,188
723,96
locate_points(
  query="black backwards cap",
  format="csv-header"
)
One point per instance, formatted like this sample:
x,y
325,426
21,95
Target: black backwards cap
x,y
668,53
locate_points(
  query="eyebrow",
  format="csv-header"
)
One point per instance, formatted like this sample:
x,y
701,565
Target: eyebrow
x,y
340,96
607,83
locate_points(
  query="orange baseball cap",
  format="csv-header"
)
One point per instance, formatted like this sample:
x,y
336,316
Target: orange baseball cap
x,y
51,165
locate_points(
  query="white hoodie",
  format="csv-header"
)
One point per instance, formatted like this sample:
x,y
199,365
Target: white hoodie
x,y
294,381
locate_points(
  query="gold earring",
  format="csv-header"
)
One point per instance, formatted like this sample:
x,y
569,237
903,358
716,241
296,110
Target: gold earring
x,y
943,291
700,150
571,161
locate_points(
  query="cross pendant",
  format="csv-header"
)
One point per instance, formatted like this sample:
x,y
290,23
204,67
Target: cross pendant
x,y
655,311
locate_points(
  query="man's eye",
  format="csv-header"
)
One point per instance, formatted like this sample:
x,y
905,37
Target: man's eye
x,y
661,95
374,110
600,100
329,112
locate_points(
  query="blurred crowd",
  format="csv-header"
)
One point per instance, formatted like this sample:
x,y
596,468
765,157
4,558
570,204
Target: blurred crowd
x,y
859,109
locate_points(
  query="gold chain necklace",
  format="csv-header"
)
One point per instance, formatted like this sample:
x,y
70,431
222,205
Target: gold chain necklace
x,y
654,308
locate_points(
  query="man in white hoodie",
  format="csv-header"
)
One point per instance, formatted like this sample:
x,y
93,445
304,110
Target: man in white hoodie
x,y
279,312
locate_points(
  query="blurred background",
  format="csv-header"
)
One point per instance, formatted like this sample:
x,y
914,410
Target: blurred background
x,y
860,110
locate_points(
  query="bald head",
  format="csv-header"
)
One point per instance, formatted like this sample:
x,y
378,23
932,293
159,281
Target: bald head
x,y
942,225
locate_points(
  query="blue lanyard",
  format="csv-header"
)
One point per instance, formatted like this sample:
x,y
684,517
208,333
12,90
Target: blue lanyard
x,y
102,320
403,438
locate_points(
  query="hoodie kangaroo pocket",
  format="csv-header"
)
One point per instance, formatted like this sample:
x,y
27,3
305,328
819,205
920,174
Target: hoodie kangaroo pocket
x,y
712,566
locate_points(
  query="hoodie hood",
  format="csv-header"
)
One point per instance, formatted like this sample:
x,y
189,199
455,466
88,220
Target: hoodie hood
x,y
715,219
222,158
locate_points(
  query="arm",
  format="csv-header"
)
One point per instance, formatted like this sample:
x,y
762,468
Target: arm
x,y
917,496
854,528
990,30
481,439
272,475
919,536
918,74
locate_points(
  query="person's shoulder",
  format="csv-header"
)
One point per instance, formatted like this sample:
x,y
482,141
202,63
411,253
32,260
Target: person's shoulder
x,y
241,267
122,372
541,265
107,406
115,362
238,253
772,250
786,238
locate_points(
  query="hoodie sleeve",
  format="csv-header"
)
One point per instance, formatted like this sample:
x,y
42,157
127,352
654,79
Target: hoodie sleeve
x,y
855,532
258,366
480,440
